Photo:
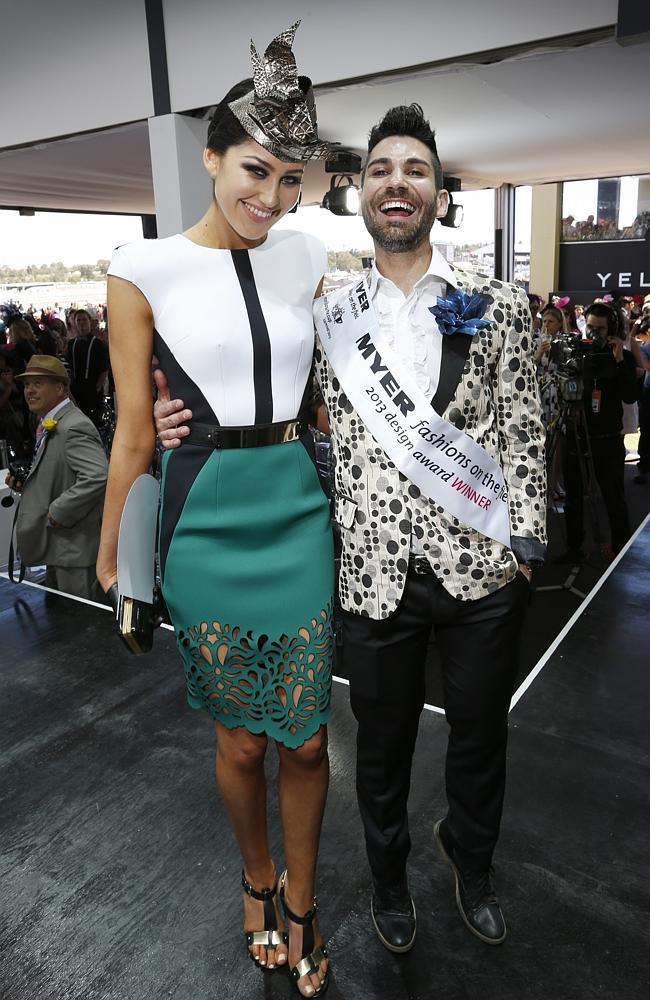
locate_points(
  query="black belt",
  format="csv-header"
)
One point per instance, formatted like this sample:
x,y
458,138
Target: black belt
x,y
211,436
420,565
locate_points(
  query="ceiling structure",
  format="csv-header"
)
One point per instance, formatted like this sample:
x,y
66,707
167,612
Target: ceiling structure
x,y
531,117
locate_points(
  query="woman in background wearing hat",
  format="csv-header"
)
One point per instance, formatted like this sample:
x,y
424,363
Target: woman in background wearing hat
x,y
245,545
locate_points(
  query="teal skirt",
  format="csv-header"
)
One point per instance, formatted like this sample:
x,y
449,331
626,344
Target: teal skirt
x,y
247,569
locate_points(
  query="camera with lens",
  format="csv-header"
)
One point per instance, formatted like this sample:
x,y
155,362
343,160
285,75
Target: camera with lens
x,y
19,470
577,360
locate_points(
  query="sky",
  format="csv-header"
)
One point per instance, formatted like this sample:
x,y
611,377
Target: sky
x,y
72,238
69,237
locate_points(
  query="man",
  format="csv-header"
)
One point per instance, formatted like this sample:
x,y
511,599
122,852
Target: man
x,y
60,511
407,563
609,380
87,358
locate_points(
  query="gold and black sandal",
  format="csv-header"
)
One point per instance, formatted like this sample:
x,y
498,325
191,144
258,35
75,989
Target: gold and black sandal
x,y
270,937
311,957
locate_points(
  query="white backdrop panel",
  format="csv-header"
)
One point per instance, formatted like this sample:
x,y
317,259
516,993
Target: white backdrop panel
x,y
70,66
207,40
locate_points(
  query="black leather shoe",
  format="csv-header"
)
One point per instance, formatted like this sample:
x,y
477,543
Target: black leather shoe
x,y
475,896
393,914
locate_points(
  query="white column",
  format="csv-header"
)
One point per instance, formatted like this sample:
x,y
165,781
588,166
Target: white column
x,y
545,239
643,204
181,185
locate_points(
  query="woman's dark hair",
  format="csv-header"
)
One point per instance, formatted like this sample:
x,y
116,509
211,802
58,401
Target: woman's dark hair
x,y
224,129
22,329
408,120
82,312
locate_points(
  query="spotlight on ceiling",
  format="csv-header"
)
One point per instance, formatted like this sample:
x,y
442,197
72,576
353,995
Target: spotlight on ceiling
x,y
345,162
342,199
454,217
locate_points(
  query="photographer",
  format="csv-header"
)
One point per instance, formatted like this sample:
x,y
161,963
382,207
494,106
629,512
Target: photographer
x,y
609,380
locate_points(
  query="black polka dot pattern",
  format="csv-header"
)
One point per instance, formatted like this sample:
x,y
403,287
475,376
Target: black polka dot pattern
x,y
496,402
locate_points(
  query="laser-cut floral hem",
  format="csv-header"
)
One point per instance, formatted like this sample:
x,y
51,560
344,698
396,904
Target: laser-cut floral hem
x,y
280,687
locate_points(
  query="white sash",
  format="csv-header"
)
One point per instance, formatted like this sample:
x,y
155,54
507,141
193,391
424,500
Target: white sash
x,y
444,462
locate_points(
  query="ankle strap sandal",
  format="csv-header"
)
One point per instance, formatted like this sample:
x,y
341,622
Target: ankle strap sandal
x,y
270,937
311,957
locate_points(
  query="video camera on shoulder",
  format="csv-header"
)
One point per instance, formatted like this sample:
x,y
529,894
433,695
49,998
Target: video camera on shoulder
x,y
582,359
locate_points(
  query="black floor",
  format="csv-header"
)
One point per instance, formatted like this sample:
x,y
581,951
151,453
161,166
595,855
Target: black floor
x,y
552,606
119,879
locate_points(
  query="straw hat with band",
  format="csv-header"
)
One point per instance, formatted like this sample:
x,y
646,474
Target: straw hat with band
x,y
45,364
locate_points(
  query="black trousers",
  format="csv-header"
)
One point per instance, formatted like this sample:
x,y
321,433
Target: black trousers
x,y
386,666
644,425
609,465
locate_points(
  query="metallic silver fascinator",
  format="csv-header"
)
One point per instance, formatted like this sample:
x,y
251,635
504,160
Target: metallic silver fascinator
x,y
280,112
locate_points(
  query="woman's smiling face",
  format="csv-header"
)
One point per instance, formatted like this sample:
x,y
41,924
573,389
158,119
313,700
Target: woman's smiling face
x,y
252,190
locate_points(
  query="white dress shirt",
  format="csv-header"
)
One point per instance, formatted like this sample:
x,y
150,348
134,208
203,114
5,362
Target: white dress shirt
x,y
40,432
407,324
51,414
411,330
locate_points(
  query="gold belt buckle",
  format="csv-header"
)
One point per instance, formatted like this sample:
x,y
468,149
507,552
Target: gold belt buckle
x,y
290,432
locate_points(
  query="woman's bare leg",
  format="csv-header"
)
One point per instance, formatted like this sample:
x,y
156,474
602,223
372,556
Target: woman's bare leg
x,y
242,784
303,779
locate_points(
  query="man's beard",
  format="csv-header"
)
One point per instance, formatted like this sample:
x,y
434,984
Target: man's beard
x,y
398,238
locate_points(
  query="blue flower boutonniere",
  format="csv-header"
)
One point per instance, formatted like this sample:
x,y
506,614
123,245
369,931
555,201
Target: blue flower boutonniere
x,y
461,313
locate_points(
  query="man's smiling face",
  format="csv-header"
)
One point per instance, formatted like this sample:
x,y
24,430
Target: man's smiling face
x,y
399,200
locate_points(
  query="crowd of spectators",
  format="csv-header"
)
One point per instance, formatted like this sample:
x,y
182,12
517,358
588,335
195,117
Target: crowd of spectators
x,y
58,518
54,395
604,229
613,394
77,337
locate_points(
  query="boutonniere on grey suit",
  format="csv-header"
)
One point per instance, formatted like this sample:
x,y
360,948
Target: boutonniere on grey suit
x,y
459,312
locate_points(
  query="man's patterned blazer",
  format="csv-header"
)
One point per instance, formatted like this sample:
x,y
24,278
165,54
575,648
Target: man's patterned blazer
x,y
487,388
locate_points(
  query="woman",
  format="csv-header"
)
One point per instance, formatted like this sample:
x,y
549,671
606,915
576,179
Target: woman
x,y
56,330
553,325
15,426
245,546
21,343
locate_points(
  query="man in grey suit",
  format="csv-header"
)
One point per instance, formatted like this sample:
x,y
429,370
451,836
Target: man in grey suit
x,y
60,512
